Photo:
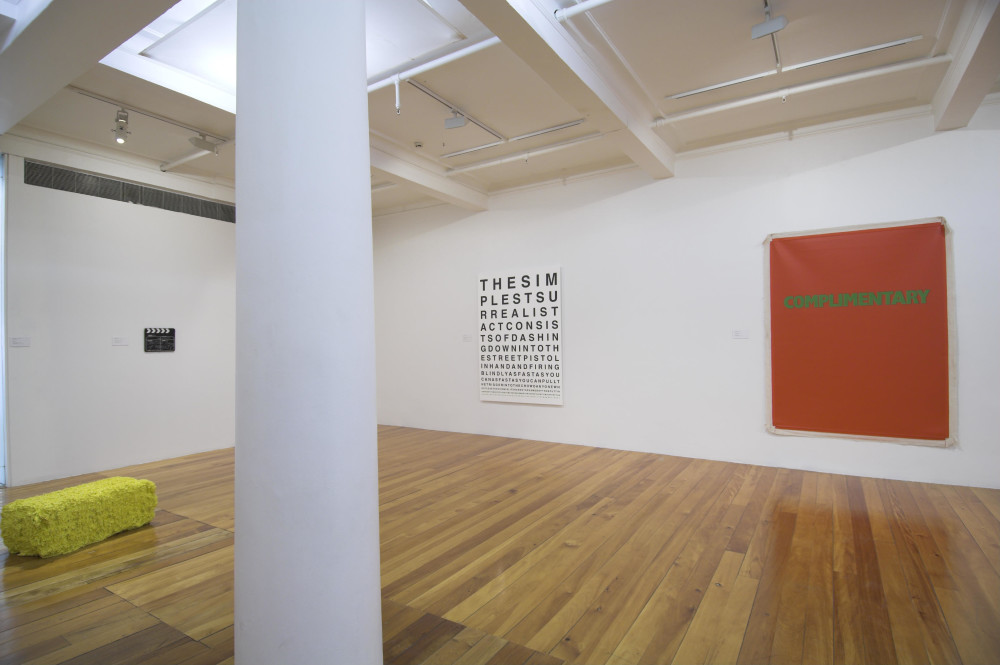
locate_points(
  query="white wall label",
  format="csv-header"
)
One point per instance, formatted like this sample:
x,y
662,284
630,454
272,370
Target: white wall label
x,y
20,341
520,337
119,341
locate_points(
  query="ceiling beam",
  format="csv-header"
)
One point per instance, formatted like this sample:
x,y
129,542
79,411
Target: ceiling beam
x,y
405,168
64,41
543,44
974,69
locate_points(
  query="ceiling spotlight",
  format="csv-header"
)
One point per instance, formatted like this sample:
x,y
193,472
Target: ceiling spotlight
x,y
203,143
768,27
455,121
120,130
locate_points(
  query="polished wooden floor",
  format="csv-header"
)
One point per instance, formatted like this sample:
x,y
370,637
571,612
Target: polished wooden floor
x,y
509,551
159,594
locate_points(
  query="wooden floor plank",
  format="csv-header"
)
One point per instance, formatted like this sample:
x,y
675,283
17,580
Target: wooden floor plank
x,y
970,603
504,550
12,616
537,585
482,651
93,631
703,635
117,569
629,576
848,617
877,634
790,623
735,616
767,557
933,626
395,646
62,623
164,530
990,498
456,647
904,621
152,643
401,618
982,525
515,505
970,566
665,617
510,654
817,641
428,642
507,560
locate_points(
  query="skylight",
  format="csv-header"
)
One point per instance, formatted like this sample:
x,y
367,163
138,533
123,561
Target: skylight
x,y
191,49
204,46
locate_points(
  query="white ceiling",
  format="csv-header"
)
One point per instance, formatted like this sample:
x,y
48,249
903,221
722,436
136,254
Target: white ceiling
x,y
545,98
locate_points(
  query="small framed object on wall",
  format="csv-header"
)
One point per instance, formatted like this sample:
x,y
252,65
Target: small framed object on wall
x,y
158,339
861,332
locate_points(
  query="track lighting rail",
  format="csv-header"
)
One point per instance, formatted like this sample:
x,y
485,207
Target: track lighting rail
x,y
148,114
802,88
454,109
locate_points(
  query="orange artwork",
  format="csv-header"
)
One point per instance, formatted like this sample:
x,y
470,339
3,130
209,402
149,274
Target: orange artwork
x,y
859,332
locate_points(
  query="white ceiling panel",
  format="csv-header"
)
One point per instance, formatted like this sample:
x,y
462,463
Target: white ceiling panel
x,y
403,30
205,46
819,28
602,81
500,89
674,47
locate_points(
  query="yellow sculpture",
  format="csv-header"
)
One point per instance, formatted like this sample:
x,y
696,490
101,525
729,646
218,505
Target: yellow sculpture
x,y
64,521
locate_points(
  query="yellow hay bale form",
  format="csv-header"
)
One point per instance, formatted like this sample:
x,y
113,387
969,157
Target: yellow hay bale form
x,y
66,520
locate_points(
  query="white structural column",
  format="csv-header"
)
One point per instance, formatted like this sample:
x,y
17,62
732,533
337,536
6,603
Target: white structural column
x,y
307,550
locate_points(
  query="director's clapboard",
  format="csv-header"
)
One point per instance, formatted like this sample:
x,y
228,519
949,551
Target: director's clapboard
x,y
158,339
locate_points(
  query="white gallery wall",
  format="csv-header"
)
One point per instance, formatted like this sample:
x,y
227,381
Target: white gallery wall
x,y
658,274
83,270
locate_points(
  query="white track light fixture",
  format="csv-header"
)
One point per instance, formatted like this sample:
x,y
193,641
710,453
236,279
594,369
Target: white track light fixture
x,y
770,26
455,121
202,147
121,131
202,143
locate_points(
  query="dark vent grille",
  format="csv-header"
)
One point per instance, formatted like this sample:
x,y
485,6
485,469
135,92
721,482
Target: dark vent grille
x,y
67,180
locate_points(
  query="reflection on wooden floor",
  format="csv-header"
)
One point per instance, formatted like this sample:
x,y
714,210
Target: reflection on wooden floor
x,y
602,556
508,551
159,594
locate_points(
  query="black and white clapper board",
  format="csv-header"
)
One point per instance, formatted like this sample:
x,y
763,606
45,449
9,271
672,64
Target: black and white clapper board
x,y
158,339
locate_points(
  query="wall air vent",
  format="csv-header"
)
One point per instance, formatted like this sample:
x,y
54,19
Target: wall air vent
x,y
67,180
